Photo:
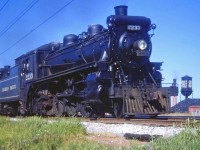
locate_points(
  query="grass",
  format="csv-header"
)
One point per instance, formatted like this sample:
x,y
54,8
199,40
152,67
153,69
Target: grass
x,y
38,133
186,140
35,133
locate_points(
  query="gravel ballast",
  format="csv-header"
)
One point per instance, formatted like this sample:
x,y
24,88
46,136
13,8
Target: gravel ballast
x,y
124,129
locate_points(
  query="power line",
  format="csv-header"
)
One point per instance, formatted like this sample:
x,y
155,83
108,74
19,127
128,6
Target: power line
x,y
4,5
23,37
14,21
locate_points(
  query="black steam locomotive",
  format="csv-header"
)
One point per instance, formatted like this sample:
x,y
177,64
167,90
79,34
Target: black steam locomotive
x,y
101,70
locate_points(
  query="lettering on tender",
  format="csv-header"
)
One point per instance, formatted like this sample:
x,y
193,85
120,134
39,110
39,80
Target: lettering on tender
x,y
4,89
9,88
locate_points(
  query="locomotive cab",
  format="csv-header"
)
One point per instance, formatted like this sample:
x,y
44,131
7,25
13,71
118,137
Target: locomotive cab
x,y
4,72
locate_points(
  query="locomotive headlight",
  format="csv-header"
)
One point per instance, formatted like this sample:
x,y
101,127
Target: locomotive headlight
x,y
142,45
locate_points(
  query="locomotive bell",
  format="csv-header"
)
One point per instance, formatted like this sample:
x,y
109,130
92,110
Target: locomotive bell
x,y
121,10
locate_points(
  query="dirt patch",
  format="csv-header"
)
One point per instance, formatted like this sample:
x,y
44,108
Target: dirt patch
x,y
114,141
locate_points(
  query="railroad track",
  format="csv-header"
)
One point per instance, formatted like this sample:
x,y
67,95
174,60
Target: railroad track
x,y
161,121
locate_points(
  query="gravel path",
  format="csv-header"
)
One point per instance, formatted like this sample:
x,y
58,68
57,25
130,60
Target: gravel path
x,y
122,129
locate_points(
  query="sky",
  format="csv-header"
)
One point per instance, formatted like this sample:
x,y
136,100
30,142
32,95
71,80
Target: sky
x,y
175,41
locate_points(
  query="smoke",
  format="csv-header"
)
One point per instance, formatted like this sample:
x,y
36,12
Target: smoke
x,y
121,2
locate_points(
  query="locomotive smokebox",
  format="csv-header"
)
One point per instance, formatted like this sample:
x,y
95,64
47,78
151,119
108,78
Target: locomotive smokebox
x,y
121,10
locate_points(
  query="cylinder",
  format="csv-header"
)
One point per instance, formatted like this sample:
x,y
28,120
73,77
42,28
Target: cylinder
x,y
121,10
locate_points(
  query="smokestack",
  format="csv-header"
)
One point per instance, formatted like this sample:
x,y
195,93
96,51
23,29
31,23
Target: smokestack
x,y
174,82
174,97
121,10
